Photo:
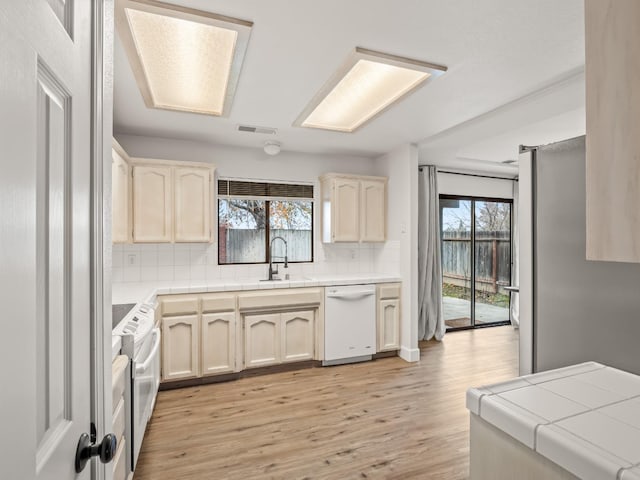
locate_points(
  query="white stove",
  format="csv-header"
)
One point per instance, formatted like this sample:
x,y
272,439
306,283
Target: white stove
x,y
137,325
141,343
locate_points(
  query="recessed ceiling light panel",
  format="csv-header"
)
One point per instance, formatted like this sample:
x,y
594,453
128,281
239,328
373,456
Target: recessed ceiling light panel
x,y
183,59
367,84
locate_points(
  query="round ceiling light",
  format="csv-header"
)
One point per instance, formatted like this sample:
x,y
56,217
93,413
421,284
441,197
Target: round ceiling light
x,y
271,147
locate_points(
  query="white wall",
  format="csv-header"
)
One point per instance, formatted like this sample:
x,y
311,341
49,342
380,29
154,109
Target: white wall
x,y
250,163
475,186
198,262
401,166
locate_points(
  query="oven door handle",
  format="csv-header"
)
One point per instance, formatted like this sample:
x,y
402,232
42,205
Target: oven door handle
x,y
154,350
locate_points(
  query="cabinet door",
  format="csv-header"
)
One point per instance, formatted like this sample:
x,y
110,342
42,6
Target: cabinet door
x,y
262,340
218,342
612,77
192,204
373,211
346,210
180,352
119,198
297,336
388,324
152,204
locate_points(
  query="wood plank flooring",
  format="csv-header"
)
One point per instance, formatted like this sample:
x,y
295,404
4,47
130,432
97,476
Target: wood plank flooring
x,y
386,419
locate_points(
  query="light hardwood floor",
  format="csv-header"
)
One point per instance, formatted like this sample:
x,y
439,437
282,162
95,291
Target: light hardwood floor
x,y
386,419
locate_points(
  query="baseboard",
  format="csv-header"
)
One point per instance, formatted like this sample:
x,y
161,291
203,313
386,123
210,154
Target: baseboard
x,y
410,354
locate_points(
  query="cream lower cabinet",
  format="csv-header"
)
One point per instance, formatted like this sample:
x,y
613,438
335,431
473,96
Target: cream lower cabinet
x,y
180,347
297,336
274,338
262,340
199,335
388,321
218,335
282,326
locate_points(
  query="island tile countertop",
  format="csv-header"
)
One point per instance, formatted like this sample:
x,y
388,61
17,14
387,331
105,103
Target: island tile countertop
x,y
584,418
146,292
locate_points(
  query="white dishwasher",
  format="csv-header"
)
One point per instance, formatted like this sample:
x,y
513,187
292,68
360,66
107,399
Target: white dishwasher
x,y
349,324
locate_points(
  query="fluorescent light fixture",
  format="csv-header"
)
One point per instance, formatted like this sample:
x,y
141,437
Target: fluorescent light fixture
x,y
366,84
183,59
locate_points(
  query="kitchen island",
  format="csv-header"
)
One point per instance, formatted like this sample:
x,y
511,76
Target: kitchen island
x,y
581,421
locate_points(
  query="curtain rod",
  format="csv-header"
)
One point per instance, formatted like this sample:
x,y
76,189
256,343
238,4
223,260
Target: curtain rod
x,y
469,174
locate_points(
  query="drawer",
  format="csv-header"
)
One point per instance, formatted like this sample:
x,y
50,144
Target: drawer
x,y
119,420
118,374
276,299
212,303
178,305
120,461
389,290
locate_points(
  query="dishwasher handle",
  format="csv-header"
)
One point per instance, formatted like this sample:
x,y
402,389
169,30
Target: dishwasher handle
x,y
351,295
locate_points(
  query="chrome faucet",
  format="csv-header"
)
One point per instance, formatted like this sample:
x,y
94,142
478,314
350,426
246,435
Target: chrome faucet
x,y
274,271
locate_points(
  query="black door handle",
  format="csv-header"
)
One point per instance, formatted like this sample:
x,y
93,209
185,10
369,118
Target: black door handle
x,y
106,450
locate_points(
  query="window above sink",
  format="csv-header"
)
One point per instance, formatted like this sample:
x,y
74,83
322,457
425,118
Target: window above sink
x,y
251,214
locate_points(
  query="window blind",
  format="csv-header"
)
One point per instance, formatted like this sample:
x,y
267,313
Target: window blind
x,y
237,188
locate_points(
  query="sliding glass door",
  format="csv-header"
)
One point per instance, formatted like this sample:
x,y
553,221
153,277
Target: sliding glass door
x,y
476,260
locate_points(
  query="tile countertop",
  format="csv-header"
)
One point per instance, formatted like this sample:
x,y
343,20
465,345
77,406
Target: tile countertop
x,y
146,292
585,418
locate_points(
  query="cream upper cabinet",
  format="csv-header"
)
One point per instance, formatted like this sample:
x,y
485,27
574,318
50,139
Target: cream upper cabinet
x,y
346,200
120,188
166,201
612,77
192,206
297,330
218,336
152,203
388,321
262,339
180,347
353,208
373,201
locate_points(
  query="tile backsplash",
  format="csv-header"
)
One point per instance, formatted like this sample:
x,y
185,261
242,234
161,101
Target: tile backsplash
x,y
199,262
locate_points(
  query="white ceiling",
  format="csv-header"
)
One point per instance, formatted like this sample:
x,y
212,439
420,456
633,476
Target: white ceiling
x,y
505,56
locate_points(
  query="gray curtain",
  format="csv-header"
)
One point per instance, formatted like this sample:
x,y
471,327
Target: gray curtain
x,y
430,319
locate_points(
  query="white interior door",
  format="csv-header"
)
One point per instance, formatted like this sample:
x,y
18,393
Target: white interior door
x,y
45,93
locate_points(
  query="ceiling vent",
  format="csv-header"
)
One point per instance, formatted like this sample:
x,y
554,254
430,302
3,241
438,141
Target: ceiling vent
x,y
251,129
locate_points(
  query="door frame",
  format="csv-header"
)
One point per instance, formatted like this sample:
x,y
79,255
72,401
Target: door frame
x,y
526,251
102,35
473,199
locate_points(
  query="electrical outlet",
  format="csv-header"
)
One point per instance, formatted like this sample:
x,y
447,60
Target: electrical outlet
x,y
132,259
352,254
